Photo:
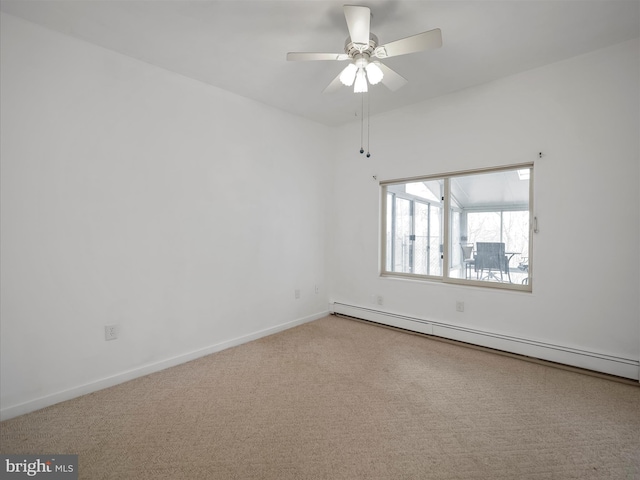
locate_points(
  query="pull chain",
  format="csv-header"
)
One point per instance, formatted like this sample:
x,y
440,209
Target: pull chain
x,y
368,124
362,123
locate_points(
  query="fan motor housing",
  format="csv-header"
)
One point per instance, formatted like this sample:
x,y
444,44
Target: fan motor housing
x,y
352,49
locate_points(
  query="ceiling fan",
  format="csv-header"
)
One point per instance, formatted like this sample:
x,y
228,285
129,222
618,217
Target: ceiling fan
x,y
362,50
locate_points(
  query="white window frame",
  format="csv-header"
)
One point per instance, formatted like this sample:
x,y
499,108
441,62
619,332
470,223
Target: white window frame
x,y
446,240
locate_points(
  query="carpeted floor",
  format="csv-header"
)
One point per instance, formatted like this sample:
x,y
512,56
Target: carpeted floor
x,y
341,399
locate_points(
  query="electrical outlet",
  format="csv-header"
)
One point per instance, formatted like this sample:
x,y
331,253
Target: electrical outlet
x,y
297,294
379,300
459,306
110,332
317,289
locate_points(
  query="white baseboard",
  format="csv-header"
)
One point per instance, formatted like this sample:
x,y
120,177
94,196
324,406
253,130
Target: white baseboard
x,y
598,362
51,399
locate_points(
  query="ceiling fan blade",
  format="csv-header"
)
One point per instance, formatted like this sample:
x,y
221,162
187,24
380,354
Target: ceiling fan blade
x,y
334,86
392,80
358,22
308,56
415,43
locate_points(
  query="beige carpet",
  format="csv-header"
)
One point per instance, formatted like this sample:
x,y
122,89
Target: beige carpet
x,y
341,399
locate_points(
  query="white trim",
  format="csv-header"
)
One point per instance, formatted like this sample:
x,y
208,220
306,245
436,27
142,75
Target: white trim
x,y
459,173
57,397
598,362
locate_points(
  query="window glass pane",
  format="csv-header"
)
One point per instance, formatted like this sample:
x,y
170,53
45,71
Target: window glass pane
x,y
388,235
414,228
426,190
490,226
515,228
488,235
402,233
456,253
483,227
436,240
421,242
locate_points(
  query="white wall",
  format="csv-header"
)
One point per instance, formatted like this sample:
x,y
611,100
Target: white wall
x,y
583,115
188,215
135,196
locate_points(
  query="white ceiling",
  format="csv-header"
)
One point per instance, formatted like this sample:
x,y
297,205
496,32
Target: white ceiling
x,y
240,45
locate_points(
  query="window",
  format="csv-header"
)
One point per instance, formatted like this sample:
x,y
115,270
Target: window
x,y
483,239
414,228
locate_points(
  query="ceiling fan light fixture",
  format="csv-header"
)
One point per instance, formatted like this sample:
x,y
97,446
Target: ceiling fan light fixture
x,y
348,75
360,85
374,74
362,46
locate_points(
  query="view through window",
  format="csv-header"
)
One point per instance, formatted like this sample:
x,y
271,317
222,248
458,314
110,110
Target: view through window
x,y
485,238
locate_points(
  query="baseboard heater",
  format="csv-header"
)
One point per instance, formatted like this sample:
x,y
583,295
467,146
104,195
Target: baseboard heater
x,y
598,362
